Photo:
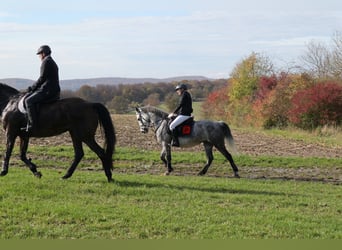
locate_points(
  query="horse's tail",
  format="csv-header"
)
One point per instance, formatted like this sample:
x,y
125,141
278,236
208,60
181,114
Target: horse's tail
x,y
108,127
228,136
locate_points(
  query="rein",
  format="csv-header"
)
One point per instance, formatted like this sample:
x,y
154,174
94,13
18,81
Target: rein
x,y
156,126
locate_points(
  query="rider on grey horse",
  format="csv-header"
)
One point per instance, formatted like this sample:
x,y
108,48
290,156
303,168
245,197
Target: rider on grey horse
x,y
45,89
183,111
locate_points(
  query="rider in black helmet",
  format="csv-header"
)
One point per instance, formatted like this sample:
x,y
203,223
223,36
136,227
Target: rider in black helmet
x,y
45,89
183,111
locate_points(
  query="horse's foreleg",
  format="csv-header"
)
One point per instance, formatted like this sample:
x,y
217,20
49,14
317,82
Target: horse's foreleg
x,y
209,153
23,149
229,157
77,144
163,157
9,149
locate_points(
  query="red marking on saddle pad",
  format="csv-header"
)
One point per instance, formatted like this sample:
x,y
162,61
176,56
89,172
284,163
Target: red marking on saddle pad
x,y
186,130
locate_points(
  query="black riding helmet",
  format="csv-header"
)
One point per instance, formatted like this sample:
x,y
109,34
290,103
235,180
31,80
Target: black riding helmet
x,y
44,49
181,86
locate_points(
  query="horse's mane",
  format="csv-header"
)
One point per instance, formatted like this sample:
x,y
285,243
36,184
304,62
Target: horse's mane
x,y
155,110
8,93
5,87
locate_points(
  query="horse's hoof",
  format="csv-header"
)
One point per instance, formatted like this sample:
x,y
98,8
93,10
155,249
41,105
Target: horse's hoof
x,y
67,176
3,173
167,173
38,174
110,180
236,175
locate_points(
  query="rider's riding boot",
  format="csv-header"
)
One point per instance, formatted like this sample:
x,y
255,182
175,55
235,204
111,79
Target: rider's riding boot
x,y
175,141
32,119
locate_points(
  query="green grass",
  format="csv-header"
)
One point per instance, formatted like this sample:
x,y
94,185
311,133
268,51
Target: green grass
x,y
137,156
159,207
61,157
329,137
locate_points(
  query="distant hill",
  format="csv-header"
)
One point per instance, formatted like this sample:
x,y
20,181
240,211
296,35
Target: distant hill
x,y
17,83
75,84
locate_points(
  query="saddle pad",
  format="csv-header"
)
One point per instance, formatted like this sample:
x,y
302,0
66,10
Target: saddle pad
x,y
186,130
21,105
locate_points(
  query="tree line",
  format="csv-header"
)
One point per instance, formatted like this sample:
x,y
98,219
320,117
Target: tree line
x,y
124,97
306,96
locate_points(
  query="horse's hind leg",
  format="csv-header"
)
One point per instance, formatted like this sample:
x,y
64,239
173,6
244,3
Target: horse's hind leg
x,y
107,163
209,153
77,144
229,157
23,149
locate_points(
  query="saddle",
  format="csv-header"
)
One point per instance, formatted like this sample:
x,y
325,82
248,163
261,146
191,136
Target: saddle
x,y
21,103
22,106
185,128
23,109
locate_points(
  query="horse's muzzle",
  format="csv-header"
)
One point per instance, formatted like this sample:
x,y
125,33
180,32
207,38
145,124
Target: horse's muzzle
x,y
144,130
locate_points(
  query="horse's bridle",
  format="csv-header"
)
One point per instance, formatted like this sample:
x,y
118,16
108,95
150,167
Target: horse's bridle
x,y
144,123
147,123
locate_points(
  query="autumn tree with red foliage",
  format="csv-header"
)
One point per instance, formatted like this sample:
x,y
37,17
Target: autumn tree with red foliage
x,y
262,97
317,106
272,99
214,107
265,85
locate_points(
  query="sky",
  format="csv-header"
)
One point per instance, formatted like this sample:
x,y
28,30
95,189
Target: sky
x,y
159,39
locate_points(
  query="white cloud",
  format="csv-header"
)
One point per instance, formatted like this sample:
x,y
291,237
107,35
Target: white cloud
x,y
145,38
295,41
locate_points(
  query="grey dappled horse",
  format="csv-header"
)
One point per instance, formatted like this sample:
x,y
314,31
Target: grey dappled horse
x,y
210,133
80,118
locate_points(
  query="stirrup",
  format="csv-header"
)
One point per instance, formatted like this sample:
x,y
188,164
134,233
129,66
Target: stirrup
x,y
175,143
27,128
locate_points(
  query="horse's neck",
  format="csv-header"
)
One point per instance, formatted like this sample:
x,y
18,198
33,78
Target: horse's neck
x,y
156,119
4,102
6,94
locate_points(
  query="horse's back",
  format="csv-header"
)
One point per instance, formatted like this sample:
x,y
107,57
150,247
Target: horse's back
x,y
70,100
209,130
69,112
68,104
208,124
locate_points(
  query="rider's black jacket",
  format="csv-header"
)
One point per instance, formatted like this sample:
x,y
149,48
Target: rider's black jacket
x,y
48,81
185,104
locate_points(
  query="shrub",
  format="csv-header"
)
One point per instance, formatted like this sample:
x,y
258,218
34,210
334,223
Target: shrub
x,y
215,105
317,106
271,102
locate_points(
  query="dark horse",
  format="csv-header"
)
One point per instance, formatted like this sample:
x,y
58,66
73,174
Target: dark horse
x,y
78,117
210,133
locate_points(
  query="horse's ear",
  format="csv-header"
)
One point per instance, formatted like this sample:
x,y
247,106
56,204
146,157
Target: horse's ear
x,y
137,109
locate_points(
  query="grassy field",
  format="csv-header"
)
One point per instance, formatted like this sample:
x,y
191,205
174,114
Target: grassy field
x,y
62,156
142,204
159,207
